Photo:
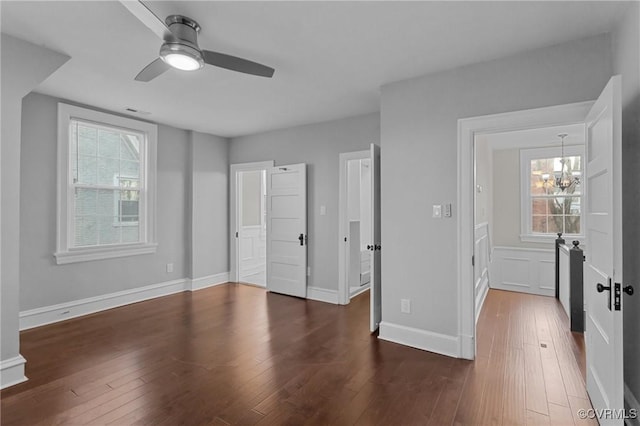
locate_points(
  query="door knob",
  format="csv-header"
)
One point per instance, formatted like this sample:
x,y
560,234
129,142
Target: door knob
x,y
301,238
602,288
369,247
629,290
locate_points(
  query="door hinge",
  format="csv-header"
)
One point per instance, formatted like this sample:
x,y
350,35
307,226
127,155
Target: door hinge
x,y
473,261
236,234
345,239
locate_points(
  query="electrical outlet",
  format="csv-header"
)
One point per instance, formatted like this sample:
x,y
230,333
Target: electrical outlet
x,y
323,210
169,268
437,211
405,306
447,210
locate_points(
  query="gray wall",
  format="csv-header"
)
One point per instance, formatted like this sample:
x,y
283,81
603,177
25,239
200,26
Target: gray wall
x,y
210,201
318,145
44,283
24,66
626,61
419,162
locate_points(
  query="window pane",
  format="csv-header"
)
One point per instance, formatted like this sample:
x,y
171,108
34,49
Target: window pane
x,y
85,200
107,199
572,224
86,231
554,224
108,144
108,230
130,147
539,224
539,206
108,171
87,140
130,233
128,206
130,169
87,170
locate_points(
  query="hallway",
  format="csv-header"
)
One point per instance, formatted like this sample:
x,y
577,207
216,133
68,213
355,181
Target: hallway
x,y
235,354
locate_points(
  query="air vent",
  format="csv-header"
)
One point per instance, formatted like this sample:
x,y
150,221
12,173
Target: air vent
x,y
137,111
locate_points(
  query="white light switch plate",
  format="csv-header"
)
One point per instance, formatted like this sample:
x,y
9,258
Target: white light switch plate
x,y
323,210
437,211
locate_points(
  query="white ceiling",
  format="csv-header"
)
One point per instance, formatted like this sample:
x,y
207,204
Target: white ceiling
x,y
330,57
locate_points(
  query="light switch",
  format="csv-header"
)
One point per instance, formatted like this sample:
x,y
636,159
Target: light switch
x,y
437,211
323,210
447,210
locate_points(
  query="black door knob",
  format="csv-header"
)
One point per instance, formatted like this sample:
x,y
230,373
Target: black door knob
x,y
602,288
629,290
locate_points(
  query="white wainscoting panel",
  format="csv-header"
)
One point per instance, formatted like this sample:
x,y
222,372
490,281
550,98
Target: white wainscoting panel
x,y
482,255
524,270
565,279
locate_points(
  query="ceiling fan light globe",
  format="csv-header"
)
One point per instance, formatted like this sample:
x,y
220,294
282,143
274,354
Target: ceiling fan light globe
x,y
181,57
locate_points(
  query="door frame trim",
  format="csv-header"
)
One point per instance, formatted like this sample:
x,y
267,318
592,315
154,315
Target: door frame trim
x,y
468,128
234,211
343,249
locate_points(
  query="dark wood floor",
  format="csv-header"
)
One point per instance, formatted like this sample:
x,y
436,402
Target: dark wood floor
x,y
235,354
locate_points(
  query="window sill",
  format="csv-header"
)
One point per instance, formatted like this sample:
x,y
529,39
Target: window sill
x,y
99,253
532,238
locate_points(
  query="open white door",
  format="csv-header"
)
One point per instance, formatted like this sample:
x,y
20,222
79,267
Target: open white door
x,y
287,230
375,291
603,267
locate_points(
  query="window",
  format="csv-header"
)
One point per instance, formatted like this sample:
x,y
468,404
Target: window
x,y
546,208
106,185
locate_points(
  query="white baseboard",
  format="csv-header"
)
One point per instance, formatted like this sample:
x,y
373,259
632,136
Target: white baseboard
x,y
631,403
481,297
209,281
76,308
322,295
12,371
421,339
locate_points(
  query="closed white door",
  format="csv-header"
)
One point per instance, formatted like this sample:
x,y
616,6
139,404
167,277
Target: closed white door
x,y
287,230
376,288
603,266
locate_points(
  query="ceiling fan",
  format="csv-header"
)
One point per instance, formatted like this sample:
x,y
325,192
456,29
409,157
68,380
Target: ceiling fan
x,y
180,47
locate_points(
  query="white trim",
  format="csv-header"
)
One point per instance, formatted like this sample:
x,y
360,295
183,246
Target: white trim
x,y
12,371
421,339
103,252
322,295
524,249
468,128
208,281
360,290
526,155
234,211
631,403
65,253
343,224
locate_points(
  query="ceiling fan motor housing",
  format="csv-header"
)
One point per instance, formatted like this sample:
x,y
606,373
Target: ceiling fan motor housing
x,y
185,38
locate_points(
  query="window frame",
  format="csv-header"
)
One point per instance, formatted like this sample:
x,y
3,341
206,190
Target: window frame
x,y
65,217
526,155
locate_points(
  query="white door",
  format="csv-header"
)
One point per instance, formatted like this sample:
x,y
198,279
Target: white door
x,y
603,267
252,234
375,291
287,230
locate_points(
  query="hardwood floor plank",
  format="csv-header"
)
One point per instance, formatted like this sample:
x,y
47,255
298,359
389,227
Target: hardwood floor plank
x,y
237,355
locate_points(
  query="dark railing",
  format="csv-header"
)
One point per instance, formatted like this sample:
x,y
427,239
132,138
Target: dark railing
x,y
576,295
559,242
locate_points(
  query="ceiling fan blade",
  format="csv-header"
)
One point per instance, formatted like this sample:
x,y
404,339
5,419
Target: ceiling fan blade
x,y
234,63
148,18
152,70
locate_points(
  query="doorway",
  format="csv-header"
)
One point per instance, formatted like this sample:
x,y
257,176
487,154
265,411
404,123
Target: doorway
x,y
252,227
248,237
359,246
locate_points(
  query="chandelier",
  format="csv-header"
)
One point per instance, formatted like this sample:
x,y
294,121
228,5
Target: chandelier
x,y
563,179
